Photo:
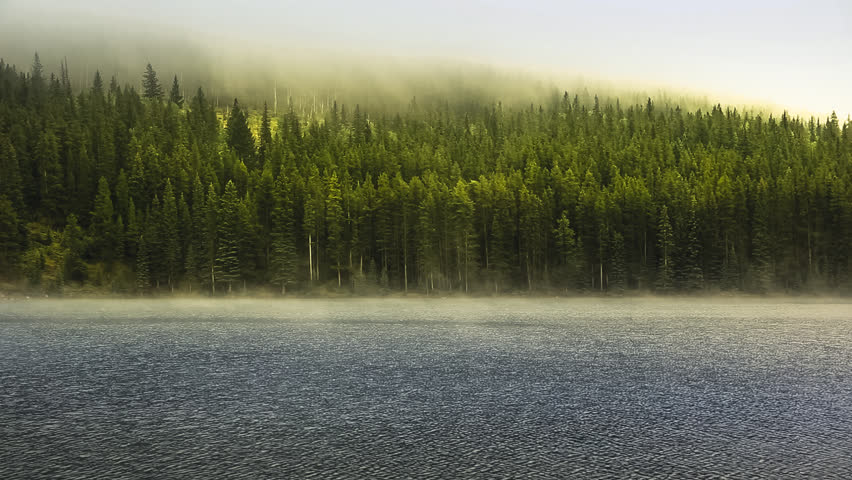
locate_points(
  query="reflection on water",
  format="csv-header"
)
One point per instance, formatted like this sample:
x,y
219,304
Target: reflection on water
x,y
453,388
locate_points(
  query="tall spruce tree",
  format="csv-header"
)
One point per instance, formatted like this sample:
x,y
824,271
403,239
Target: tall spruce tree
x,y
665,243
103,229
151,85
227,265
171,236
174,95
284,256
239,135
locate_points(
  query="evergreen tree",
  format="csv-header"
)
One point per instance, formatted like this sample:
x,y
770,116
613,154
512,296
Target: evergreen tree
x,y
50,176
689,266
334,221
211,216
171,236
249,229
11,240
617,276
283,261
227,265
73,245
98,85
175,95
150,85
239,135
10,175
196,248
265,136
760,243
566,247
103,229
665,244
143,281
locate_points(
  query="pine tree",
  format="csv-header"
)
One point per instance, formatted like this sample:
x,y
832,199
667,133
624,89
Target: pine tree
x,y
227,253
249,238
692,277
461,217
50,176
175,95
334,221
265,136
239,135
196,245
760,242
211,218
11,238
98,85
74,244
10,175
103,230
617,275
37,82
283,261
143,281
150,85
171,236
155,240
665,244
566,247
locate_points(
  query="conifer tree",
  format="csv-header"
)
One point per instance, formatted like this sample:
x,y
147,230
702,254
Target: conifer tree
x,y
665,244
143,281
155,240
171,236
265,136
11,240
104,232
617,275
760,243
239,135
248,228
566,248
73,244
211,218
10,174
227,265
175,95
151,85
98,85
50,173
692,277
283,261
196,245
334,221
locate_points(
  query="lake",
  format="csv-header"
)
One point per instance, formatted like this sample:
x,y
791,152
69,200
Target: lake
x,y
426,388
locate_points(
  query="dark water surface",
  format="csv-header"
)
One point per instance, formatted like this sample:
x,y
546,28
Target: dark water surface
x,y
425,389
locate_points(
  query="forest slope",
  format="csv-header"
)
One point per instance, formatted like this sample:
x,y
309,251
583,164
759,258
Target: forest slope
x,y
139,191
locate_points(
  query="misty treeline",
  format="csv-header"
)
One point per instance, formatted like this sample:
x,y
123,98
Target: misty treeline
x,y
144,191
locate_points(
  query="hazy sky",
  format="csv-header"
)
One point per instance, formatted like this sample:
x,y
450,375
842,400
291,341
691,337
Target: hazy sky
x,y
789,52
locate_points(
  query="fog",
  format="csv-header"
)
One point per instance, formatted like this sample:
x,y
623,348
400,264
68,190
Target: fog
x,y
432,310
382,54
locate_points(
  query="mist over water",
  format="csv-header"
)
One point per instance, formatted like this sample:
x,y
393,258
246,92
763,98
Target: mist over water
x,y
426,388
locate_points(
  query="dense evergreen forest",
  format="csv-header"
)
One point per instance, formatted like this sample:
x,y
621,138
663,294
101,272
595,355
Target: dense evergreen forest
x,y
141,191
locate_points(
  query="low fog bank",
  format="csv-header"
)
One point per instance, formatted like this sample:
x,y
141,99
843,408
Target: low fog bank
x,y
432,310
314,76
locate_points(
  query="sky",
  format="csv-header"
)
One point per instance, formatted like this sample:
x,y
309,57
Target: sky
x,y
791,53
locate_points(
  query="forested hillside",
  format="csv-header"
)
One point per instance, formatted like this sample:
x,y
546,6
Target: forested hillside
x,y
137,190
